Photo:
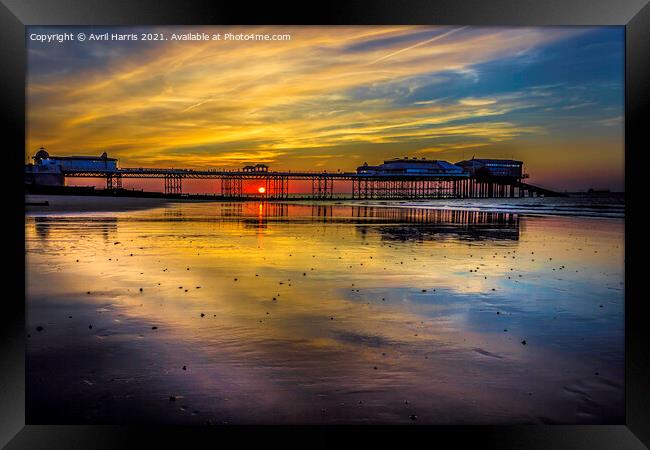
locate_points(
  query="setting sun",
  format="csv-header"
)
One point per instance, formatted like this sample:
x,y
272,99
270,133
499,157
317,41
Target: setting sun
x,y
261,190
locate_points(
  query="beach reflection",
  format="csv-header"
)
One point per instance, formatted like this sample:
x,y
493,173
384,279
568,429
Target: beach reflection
x,y
324,313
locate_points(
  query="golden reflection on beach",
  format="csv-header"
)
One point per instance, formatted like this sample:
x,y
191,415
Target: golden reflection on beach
x,y
339,298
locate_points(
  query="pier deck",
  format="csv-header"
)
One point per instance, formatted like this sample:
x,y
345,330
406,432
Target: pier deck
x,y
363,186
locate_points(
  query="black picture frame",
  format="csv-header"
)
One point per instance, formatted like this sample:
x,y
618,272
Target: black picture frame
x,y
16,14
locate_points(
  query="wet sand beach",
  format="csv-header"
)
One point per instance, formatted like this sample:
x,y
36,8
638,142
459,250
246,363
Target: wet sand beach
x,y
48,204
254,313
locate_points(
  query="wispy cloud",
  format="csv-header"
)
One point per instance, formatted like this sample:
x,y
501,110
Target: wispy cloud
x,y
427,41
611,121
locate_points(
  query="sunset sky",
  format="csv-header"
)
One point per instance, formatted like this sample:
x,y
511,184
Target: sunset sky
x,y
334,97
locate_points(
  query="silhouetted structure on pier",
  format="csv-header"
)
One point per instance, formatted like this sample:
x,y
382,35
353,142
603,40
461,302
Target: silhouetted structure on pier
x,y
400,178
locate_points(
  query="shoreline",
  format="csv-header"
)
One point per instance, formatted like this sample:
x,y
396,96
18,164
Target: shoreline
x,y
46,204
493,210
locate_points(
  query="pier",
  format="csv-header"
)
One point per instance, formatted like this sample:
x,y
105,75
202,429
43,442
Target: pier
x,y
400,178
